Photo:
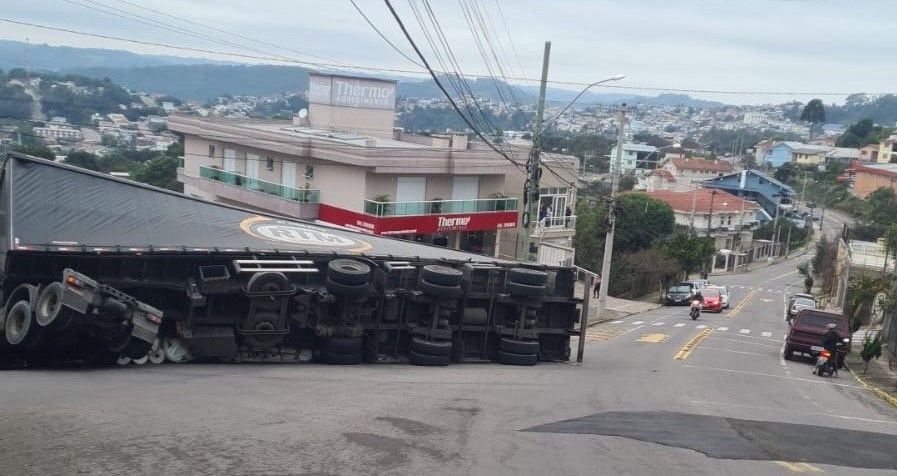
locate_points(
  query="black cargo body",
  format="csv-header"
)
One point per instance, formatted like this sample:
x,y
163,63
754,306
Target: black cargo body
x,y
237,285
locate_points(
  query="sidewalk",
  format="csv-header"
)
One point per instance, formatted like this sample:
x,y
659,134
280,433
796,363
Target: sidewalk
x,y
616,308
878,379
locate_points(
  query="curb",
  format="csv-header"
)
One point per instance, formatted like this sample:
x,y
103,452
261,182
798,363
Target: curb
x,y
872,388
602,321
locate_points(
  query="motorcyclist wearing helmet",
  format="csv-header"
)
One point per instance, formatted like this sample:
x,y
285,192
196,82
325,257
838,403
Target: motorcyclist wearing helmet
x,y
832,339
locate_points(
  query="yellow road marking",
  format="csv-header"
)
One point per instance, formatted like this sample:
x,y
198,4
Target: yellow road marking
x,y
692,344
799,467
653,338
601,335
734,312
785,274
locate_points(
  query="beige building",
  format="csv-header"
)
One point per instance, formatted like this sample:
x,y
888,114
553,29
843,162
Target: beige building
x,y
683,174
344,164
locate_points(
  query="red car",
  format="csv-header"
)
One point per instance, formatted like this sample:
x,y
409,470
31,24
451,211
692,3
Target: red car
x,y
713,300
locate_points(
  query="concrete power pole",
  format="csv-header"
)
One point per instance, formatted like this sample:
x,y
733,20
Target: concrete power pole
x,y
533,165
611,215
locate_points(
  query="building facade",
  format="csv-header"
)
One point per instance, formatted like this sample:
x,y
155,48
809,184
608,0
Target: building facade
x,y
869,177
683,173
634,156
772,196
344,164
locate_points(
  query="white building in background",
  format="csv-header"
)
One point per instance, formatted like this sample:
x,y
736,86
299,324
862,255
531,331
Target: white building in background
x,y
634,156
754,118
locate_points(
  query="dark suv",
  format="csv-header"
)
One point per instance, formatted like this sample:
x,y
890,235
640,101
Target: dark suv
x,y
808,329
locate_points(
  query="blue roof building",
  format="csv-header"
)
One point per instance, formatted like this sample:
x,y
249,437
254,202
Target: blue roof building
x,y
768,192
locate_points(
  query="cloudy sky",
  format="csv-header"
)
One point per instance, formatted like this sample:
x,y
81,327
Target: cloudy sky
x,y
758,46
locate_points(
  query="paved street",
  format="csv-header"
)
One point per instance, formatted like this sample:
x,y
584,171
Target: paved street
x,y
657,394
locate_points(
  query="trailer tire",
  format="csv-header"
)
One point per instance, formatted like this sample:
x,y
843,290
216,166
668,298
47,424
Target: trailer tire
x,y
103,358
511,358
262,321
525,347
439,290
431,347
442,275
337,358
428,360
344,345
136,348
348,291
476,316
348,271
49,305
21,328
533,277
525,290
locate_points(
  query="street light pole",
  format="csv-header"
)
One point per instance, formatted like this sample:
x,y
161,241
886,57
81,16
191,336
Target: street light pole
x,y
611,215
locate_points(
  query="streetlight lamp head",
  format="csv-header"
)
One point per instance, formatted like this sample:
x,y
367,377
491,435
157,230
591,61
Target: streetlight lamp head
x,y
617,77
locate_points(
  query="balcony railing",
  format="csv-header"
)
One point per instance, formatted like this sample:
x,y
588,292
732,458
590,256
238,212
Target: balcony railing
x,y
438,207
258,185
556,223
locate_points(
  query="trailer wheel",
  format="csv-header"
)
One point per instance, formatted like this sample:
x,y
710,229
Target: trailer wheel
x,y
439,290
476,316
526,347
49,305
102,357
348,271
348,291
156,354
430,360
21,328
431,347
443,275
510,358
136,348
175,350
337,358
344,345
533,277
525,290
262,321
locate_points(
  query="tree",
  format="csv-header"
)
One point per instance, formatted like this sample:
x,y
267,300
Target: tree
x,y
861,292
161,172
871,350
627,182
890,246
36,150
814,113
690,251
641,221
786,172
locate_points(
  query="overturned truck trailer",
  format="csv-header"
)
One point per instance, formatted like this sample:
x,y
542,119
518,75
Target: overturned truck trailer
x,y
97,269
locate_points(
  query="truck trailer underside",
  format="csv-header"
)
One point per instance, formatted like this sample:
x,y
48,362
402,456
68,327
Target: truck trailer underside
x,y
98,270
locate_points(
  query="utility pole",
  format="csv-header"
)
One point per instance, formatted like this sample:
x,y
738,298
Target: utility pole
x,y
611,214
709,266
533,165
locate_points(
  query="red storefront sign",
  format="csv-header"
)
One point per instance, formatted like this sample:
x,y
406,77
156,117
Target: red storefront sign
x,y
418,224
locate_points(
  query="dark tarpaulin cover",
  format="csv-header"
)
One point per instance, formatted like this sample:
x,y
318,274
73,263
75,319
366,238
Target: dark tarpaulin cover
x,y
64,207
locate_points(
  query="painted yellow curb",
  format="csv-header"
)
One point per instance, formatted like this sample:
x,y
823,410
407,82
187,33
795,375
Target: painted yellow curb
x,y
872,388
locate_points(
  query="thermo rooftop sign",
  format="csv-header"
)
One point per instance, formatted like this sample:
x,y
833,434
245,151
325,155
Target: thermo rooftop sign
x,y
349,91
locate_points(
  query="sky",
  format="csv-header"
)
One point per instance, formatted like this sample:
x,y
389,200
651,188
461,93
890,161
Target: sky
x,y
758,46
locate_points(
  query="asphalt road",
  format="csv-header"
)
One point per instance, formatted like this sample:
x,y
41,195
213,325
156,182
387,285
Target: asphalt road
x,y
730,406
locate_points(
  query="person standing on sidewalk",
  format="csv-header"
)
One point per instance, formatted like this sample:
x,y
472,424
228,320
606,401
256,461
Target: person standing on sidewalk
x,y
597,288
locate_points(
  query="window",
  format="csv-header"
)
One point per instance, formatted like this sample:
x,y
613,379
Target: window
x,y
211,150
730,220
309,172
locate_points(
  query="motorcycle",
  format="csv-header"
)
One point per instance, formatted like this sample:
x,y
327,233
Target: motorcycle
x,y
826,361
695,309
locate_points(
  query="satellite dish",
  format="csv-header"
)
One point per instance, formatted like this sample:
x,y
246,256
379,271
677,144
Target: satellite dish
x,y
303,113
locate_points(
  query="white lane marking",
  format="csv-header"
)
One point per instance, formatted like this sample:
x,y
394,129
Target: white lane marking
x,y
722,329
616,322
791,410
734,351
660,323
745,331
766,334
762,374
681,324
760,290
637,323
702,326
751,341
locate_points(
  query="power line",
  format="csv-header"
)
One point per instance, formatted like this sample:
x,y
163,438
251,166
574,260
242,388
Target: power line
x,y
407,71
380,33
441,87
